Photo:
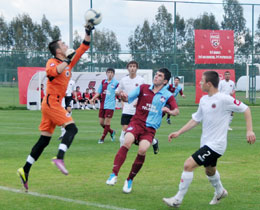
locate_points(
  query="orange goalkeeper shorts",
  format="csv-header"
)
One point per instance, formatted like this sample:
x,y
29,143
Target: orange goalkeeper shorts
x,y
53,113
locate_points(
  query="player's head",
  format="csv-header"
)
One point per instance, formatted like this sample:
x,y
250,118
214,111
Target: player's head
x,y
42,85
227,75
132,67
176,80
57,47
110,72
162,76
77,88
209,79
87,90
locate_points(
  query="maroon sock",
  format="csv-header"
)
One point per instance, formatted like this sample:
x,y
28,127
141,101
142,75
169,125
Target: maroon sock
x,y
109,129
119,159
104,133
137,165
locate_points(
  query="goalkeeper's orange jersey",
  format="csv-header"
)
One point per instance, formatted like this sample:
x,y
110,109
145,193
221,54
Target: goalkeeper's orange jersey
x,y
57,83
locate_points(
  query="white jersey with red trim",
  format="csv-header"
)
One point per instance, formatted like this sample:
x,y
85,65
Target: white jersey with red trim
x,y
226,87
127,85
214,112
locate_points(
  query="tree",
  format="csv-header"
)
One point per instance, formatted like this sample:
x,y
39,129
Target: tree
x,y
233,18
5,41
141,43
106,47
77,40
206,21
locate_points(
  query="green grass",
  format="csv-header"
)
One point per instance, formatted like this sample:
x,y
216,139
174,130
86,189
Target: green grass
x,y
9,97
90,164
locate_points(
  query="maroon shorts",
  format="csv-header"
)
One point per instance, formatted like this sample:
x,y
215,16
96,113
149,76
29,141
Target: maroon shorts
x,y
140,131
106,113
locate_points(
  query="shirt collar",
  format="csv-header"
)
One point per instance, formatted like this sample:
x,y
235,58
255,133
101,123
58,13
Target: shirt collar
x,y
162,90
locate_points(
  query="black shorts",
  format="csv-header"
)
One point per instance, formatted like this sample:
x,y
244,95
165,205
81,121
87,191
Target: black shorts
x,y
206,157
67,101
126,118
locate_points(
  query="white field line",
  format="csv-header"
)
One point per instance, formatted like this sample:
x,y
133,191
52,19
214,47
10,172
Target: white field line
x,y
54,197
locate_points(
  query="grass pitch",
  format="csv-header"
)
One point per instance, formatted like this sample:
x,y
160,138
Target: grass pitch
x,y
90,164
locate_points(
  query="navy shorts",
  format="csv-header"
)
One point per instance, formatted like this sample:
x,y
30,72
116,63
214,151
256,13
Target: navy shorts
x,y
206,157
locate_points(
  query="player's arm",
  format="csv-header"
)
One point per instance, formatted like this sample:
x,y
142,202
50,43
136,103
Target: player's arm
x,y
250,135
191,124
92,100
172,107
182,95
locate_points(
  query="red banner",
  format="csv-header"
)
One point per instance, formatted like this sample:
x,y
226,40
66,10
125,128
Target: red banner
x,y
214,46
199,73
24,76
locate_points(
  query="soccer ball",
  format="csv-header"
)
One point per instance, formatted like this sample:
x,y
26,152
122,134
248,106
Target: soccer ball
x,y
92,16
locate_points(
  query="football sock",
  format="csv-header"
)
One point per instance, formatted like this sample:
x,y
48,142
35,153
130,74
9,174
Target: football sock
x,y
109,129
119,159
122,138
36,151
216,183
30,160
137,165
104,133
154,142
186,179
71,131
230,119
62,149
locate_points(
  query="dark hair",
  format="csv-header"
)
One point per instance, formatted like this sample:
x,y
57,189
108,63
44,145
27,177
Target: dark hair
x,y
110,69
212,76
178,78
77,87
227,72
132,62
166,72
53,46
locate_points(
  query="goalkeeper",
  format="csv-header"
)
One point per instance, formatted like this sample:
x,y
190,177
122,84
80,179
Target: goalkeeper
x,y
58,71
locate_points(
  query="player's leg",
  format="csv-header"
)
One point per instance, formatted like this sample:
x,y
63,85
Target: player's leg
x,y
71,131
36,151
125,120
107,121
120,158
137,165
186,179
155,144
214,178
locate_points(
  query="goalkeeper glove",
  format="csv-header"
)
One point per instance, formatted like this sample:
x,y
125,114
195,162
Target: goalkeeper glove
x,y
88,28
70,54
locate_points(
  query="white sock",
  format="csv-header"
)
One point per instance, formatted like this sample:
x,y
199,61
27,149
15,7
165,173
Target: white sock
x,y
154,142
63,131
216,183
122,138
63,147
186,179
30,159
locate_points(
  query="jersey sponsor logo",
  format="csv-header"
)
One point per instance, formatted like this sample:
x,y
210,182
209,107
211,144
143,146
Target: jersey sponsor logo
x,y
162,99
150,108
112,86
145,94
52,64
67,114
67,67
237,102
130,128
67,73
213,106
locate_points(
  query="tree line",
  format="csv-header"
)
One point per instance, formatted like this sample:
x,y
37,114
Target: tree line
x,y
151,44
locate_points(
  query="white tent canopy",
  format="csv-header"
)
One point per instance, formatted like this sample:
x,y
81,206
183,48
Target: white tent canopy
x,y
242,83
82,79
